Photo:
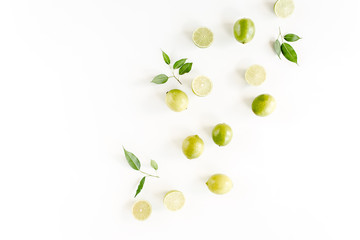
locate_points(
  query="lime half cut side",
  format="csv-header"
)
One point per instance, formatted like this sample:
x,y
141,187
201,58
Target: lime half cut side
x,y
255,75
141,210
284,8
201,86
174,200
203,37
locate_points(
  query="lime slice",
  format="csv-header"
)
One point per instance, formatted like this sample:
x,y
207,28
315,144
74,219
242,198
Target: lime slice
x,y
201,86
141,210
284,8
174,200
203,37
255,75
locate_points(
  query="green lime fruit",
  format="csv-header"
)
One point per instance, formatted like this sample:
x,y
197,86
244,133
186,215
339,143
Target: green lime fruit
x,y
284,8
177,100
263,105
219,184
203,37
244,30
255,75
141,210
193,147
201,86
174,200
222,134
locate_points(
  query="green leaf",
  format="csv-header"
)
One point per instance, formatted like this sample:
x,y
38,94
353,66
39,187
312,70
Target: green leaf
x,y
289,52
154,164
140,186
291,37
166,58
277,48
185,68
160,79
132,160
179,63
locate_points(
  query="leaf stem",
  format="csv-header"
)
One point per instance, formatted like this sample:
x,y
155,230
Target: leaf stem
x,y
280,35
150,175
173,75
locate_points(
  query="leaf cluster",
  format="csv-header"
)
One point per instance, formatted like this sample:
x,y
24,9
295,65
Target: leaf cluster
x,y
181,65
285,48
135,164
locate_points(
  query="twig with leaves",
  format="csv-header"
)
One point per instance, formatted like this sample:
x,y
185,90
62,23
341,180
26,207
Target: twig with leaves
x,y
135,164
286,49
181,64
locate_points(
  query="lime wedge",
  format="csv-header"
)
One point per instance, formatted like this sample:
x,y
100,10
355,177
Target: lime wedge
x,y
201,86
255,75
203,37
284,8
174,200
141,210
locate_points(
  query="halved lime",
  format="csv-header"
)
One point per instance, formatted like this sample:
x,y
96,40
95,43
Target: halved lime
x,y
174,200
203,37
255,75
141,210
201,86
284,8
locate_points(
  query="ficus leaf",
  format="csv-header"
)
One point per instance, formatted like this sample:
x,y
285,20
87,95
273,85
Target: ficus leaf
x,y
277,48
288,52
160,79
132,160
154,164
179,63
140,186
166,58
291,37
185,68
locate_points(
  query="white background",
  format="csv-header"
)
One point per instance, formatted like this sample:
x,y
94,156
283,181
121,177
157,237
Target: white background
x,y
75,86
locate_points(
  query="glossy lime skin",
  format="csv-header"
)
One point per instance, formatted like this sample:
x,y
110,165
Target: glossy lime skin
x,y
263,105
193,146
244,30
177,100
219,184
222,134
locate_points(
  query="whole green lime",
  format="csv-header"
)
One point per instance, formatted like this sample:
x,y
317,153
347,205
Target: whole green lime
x,y
193,146
222,134
244,30
263,105
177,100
219,184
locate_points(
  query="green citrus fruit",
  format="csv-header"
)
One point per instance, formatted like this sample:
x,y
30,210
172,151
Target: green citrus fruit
x,y
141,210
255,75
193,146
203,37
219,184
284,8
263,105
222,134
177,100
174,200
244,30
201,86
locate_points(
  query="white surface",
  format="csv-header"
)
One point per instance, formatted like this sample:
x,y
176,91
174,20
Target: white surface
x,y
75,86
